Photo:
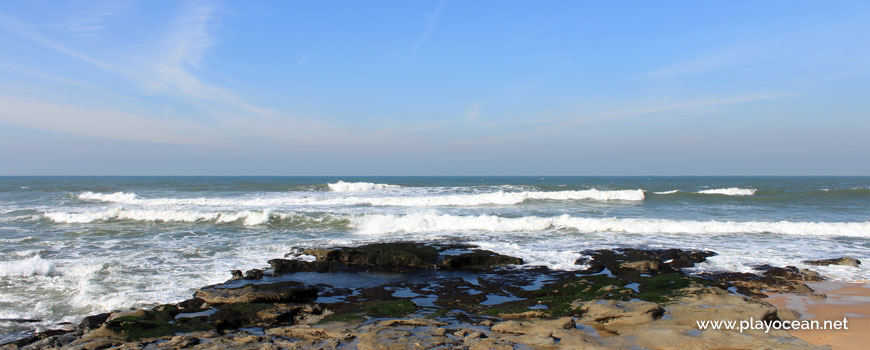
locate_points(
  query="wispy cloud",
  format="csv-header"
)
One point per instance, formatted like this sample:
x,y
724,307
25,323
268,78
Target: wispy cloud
x,y
690,104
609,115
705,63
430,26
24,31
90,20
180,54
192,34
473,112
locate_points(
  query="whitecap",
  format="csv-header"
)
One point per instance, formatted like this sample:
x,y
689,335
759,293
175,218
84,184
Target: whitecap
x,y
732,191
118,197
376,224
476,199
667,192
342,186
32,266
249,218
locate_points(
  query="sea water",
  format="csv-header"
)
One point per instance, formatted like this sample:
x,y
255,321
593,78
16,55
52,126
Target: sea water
x,y
73,246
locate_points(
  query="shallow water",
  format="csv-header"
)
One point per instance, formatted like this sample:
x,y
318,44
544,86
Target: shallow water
x,y
72,246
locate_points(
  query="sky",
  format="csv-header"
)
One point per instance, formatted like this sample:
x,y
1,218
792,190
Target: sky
x,y
434,87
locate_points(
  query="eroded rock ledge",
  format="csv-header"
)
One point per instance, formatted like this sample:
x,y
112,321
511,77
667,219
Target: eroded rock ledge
x,y
453,296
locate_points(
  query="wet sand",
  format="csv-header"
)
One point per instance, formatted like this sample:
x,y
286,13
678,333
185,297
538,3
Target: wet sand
x,y
849,300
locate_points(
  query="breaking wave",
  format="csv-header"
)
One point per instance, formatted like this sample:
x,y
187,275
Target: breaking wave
x,y
342,186
249,218
375,224
244,217
117,197
667,192
492,198
424,223
733,191
32,266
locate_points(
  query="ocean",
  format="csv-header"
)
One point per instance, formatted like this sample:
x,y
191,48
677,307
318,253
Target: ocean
x,y
74,246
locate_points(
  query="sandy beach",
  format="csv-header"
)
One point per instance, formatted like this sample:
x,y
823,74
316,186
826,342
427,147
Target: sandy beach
x,y
844,300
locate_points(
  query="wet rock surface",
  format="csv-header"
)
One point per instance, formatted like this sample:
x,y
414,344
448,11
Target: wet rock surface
x,y
409,295
288,291
845,261
787,279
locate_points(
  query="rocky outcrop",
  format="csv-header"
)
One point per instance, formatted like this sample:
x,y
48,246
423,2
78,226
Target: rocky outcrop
x,y
845,261
281,292
643,266
696,305
787,279
94,321
481,259
668,259
450,297
612,313
390,257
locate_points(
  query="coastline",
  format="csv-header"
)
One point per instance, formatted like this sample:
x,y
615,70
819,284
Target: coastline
x,y
849,300
451,295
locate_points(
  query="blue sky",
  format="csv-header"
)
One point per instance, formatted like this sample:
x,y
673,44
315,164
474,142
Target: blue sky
x,y
434,88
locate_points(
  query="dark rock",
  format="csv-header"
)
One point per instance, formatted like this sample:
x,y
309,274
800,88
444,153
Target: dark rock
x,y
191,305
789,273
253,274
641,260
390,257
237,274
845,261
25,338
158,322
240,315
281,292
778,279
284,266
643,266
94,321
477,260
19,320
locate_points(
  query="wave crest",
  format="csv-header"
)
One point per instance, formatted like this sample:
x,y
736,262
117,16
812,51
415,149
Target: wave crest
x,y
732,191
492,198
426,223
667,192
342,186
32,266
109,197
249,218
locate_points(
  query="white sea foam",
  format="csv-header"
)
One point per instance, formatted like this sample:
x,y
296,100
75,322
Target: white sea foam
x,y
535,254
667,192
249,218
489,198
117,197
342,186
732,191
374,224
31,266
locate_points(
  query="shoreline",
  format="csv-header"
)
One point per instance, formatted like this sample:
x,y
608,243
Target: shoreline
x,y
850,300
452,295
